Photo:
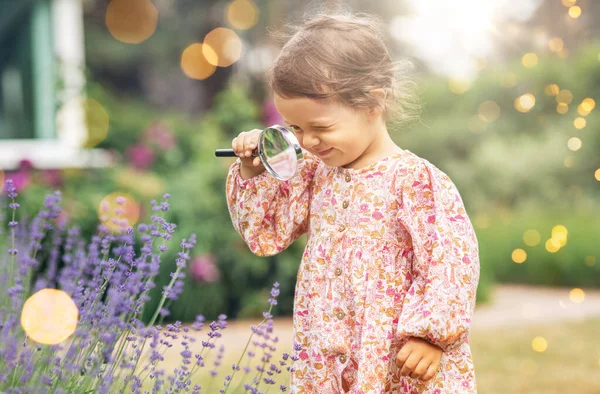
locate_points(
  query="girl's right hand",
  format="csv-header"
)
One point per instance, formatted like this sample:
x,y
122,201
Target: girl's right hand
x,y
243,145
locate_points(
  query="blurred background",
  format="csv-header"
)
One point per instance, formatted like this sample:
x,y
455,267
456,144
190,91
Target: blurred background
x,y
130,98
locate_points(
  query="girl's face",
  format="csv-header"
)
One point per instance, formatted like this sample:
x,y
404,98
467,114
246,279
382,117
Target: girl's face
x,y
335,133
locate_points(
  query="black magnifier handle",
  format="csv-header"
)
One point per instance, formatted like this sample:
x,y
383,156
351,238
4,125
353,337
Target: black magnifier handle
x,y
231,153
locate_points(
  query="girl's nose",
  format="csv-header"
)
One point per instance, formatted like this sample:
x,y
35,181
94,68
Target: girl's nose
x,y
310,139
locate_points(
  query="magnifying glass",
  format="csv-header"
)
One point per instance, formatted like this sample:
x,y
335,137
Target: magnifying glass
x,y
278,149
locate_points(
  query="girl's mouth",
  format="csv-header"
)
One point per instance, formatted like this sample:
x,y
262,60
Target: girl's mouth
x,y
325,152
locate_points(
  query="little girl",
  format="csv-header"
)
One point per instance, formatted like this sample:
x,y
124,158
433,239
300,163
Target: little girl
x,y
386,286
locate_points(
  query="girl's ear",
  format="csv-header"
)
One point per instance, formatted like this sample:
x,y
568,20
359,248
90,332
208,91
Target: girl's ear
x,y
377,110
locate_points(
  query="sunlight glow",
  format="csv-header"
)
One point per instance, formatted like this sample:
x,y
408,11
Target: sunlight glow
x,y
451,35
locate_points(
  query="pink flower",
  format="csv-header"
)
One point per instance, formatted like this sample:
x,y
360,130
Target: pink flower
x,y
141,156
270,115
52,178
204,269
22,176
159,135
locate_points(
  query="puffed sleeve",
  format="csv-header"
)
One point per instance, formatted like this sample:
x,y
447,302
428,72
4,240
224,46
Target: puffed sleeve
x,y
440,302
270,214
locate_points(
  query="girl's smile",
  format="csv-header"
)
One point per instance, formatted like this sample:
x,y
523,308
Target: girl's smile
x,y
325,152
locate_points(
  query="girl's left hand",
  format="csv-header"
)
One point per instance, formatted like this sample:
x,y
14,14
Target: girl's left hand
x,y
419,359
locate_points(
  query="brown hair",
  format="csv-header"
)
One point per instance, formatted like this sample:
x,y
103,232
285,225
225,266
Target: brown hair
x,y
343,57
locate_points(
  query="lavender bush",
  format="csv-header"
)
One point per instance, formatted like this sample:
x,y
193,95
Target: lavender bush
x,y
109,280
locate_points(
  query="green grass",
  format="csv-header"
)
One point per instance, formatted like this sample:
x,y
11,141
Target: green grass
x,y
504,360
506,363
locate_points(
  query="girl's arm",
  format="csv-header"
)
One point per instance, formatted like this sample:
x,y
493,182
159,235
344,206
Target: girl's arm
x,y
445,267
270,214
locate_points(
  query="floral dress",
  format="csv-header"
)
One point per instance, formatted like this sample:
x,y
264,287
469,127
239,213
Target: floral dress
x,y
390,254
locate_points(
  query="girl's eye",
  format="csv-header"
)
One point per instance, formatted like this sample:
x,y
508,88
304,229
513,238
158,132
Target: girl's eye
x,y
296,128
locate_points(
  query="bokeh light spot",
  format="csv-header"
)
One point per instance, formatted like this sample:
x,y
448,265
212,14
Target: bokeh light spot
x,y
590,261
551,90
519,256
562,108
529,60
226,45
574,144
531,237
575,12
556,44
458,86
583,110
49,316
525,102
118,211
559,229
96,120
210,54
559,234
552,245
597,174
568,162
564,97
579,123
131,21
576,295
569,3
476,124
242,14
539,344
489,111
194,63
588,104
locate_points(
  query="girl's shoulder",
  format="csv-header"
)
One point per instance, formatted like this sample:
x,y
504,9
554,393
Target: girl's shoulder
x,y
413,169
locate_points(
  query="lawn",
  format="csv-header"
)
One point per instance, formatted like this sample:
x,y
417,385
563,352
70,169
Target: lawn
x,y
505,361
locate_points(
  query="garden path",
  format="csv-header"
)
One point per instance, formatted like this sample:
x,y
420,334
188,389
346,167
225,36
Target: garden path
x,y
511,306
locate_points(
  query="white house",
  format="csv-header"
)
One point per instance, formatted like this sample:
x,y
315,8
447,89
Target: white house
x,y
42,66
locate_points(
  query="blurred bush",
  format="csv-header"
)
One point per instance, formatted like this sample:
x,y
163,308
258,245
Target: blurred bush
x,y
526,238
515,170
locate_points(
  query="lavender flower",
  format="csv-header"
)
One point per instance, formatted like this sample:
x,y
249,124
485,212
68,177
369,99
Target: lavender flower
x,y
109,279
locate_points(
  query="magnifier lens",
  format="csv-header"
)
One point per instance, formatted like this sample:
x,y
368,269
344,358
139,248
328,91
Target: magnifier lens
x,y
279,153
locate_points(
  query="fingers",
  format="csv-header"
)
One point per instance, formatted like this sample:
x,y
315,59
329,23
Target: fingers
x,y
409,366
431,371
421,369
245,143
415,364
